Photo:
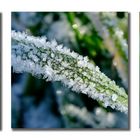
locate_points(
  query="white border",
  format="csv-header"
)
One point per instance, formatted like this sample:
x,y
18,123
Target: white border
x,y
132,6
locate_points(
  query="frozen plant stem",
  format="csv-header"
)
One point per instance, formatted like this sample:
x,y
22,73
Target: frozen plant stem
x,y
53,62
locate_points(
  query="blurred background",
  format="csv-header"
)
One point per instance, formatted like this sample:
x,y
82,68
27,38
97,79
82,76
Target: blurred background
x,y
103,37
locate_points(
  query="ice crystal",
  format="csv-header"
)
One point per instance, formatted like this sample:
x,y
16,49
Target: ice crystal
x,y
53,62
114,97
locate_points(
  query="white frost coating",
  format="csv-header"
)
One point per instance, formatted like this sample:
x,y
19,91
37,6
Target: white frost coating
x,y
52,62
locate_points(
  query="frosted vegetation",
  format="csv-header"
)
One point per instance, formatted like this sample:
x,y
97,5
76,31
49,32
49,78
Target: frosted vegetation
x,y
53,62
87,43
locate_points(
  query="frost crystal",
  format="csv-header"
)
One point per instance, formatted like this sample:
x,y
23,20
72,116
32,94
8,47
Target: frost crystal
x,y
52,62
114,97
